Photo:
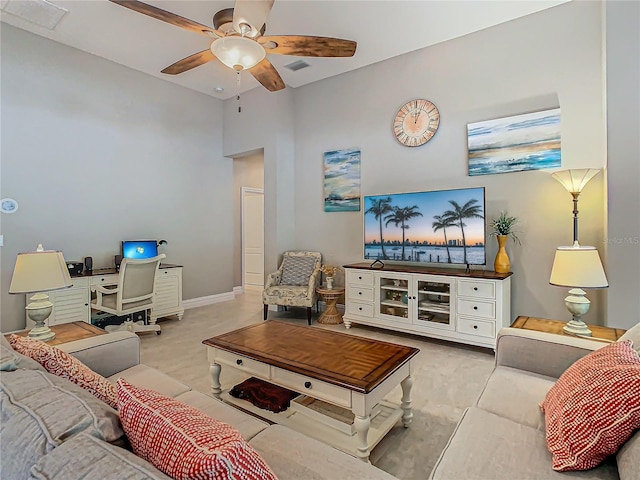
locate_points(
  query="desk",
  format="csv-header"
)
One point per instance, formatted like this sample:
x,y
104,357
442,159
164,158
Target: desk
x,y
73,304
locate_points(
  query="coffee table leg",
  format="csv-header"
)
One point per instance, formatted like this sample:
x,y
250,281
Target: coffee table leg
x,y
362,425
214,371
407,415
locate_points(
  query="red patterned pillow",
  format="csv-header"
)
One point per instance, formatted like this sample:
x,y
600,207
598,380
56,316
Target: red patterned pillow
x,y
593,408
182,441
64,365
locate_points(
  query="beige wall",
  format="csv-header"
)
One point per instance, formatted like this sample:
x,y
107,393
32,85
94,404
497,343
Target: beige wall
x,y
96,153
248,172
549,59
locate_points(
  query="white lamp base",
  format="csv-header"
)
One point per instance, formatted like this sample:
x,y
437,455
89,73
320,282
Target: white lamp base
x,y
39,310
578,304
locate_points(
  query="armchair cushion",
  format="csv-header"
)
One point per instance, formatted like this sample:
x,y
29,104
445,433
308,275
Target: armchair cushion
x,y
296,270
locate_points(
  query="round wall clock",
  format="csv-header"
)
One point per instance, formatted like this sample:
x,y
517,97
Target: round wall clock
x,y
416,122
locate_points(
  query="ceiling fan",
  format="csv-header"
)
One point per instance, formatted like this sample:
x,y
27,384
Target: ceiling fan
x,y
239,41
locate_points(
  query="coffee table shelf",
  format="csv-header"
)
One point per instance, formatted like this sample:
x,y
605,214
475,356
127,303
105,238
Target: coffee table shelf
x,y
387,415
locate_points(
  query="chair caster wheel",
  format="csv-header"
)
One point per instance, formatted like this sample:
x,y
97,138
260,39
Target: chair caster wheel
x,y
158,332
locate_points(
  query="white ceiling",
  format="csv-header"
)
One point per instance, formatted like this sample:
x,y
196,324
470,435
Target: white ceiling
x,y
382,29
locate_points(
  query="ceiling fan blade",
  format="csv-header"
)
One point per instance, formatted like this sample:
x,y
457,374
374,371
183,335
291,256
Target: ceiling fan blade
x,y
251,12
168,17
307,46
267,75
192,61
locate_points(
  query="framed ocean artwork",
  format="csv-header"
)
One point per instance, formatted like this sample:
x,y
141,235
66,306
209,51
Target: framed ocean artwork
x,y
342,180
512,144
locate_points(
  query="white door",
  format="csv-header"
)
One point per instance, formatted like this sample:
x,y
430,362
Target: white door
x,y
252,237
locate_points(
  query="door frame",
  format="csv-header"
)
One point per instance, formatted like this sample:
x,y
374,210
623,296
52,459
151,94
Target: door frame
x,y
244,191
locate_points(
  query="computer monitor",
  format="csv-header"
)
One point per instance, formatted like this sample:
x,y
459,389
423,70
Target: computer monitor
x,y
139,248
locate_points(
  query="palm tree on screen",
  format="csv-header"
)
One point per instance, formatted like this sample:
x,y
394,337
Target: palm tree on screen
x,y
400,216
459,213
379,207
441,223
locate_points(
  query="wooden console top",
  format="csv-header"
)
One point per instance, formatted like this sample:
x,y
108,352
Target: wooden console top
x,y
453,272
356,363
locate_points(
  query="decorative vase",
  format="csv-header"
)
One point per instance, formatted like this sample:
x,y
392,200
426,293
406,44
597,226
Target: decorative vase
x,y
329,283
501,263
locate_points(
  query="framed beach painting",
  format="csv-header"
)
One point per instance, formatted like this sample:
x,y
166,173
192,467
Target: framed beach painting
x,y
512,144
342,180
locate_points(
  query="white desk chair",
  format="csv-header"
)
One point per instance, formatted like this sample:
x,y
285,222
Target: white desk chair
x,y
134,292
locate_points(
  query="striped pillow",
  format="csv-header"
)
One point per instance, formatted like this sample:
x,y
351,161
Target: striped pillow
x,y
593,408
182,441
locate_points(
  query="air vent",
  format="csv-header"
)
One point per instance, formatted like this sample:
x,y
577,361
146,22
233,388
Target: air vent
x,y
40,12
297,65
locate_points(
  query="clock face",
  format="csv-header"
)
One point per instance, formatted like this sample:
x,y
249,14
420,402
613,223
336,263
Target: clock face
x,y
416,122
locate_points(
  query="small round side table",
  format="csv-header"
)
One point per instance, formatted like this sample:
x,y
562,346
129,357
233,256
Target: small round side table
x,y
331,315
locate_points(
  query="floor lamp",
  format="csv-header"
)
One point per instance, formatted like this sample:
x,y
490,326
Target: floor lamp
x,y
576,266
38,272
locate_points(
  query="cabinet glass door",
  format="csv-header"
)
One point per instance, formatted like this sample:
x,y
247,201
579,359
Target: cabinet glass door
x,y
393,298
434,304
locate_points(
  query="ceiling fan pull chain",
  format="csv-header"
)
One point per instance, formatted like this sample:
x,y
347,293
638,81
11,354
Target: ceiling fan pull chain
x,y
238,90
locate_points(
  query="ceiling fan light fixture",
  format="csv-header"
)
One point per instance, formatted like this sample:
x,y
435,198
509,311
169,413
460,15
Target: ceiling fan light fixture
x,y
238,53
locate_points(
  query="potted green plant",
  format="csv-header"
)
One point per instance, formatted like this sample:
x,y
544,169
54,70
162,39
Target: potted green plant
x,y
502,227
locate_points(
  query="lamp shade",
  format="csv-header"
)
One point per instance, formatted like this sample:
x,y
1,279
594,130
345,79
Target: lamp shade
x,y
575,180
239,53
39,272
578,267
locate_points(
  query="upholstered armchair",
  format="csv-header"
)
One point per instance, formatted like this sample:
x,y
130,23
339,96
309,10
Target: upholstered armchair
x,y
294,283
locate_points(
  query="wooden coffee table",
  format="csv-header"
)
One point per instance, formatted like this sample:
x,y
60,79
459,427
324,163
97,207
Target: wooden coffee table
x,y
343,370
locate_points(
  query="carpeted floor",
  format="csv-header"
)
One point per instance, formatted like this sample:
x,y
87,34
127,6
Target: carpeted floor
x,y
448,377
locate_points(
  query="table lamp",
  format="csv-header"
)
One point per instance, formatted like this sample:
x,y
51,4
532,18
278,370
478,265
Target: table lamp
x,y
40,271
577,267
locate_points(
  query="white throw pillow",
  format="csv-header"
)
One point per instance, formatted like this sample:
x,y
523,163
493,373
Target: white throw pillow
x,y
632,334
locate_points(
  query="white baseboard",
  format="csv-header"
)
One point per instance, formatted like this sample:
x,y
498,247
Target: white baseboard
x,y
208,300
238,290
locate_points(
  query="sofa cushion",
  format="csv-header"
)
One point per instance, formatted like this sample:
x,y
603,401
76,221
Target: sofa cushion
x,y
247,425
632,334
98,459
296,270
182,441
146,377
594,407
487,446
40,411
516,395
295,456
64,365
10,359
628,458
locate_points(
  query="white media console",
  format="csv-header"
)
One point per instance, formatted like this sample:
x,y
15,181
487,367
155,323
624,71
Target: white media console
x,y
466,306
73,304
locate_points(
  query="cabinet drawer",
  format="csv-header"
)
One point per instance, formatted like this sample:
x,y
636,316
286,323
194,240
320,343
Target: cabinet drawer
x,y
361,293
105,279
477,308
469,288
312,387
358,308
480,328
359,277
241,362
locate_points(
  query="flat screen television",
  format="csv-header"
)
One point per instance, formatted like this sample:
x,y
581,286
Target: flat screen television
x,y
139,249
443,226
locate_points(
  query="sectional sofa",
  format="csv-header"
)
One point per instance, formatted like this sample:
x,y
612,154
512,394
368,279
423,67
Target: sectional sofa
x,y
502,437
